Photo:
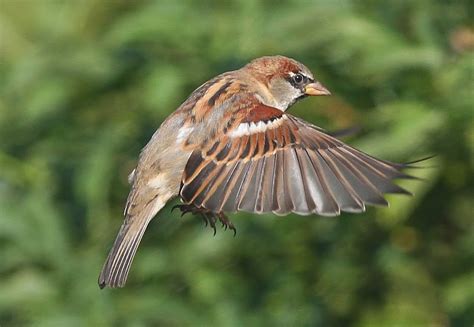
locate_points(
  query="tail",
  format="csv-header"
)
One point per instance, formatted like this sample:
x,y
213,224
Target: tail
x,y
117,266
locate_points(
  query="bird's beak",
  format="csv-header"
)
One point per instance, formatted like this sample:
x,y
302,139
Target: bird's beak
x,y
316,88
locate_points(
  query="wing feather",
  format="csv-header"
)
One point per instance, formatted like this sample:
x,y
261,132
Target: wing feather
x,y
295,183
265,201
282,164
249,190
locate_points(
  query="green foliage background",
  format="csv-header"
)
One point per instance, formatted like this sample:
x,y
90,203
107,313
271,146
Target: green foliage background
x,y
84,84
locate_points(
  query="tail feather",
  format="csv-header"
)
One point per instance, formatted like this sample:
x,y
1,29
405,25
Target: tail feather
x,y
117,266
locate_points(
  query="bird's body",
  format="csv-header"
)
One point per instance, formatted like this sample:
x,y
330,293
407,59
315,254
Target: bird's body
x,y
231,147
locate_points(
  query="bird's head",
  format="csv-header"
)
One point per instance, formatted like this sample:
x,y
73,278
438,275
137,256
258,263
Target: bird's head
x,y
284,80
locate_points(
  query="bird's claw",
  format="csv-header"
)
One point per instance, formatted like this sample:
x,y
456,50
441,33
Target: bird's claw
x,y
210,218
186,208
226,223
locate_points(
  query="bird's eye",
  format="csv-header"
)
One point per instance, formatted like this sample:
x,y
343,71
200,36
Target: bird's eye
x,y
298,78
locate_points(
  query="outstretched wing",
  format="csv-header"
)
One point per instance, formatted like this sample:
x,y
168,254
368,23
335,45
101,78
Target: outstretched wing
x,y
269,161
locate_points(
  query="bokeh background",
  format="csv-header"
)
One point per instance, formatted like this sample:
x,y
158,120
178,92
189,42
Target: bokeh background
x,y
83,86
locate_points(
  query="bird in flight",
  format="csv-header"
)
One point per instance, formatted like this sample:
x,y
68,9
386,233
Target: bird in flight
x,y
231,146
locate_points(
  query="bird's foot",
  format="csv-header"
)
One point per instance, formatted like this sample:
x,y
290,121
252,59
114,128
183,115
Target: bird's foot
x,y
187,208
226,223
210,218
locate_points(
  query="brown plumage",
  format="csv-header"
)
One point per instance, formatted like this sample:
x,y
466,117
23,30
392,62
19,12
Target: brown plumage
x,y
232,147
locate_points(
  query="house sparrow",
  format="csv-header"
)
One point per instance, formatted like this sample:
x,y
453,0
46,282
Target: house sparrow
x,y
231,147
